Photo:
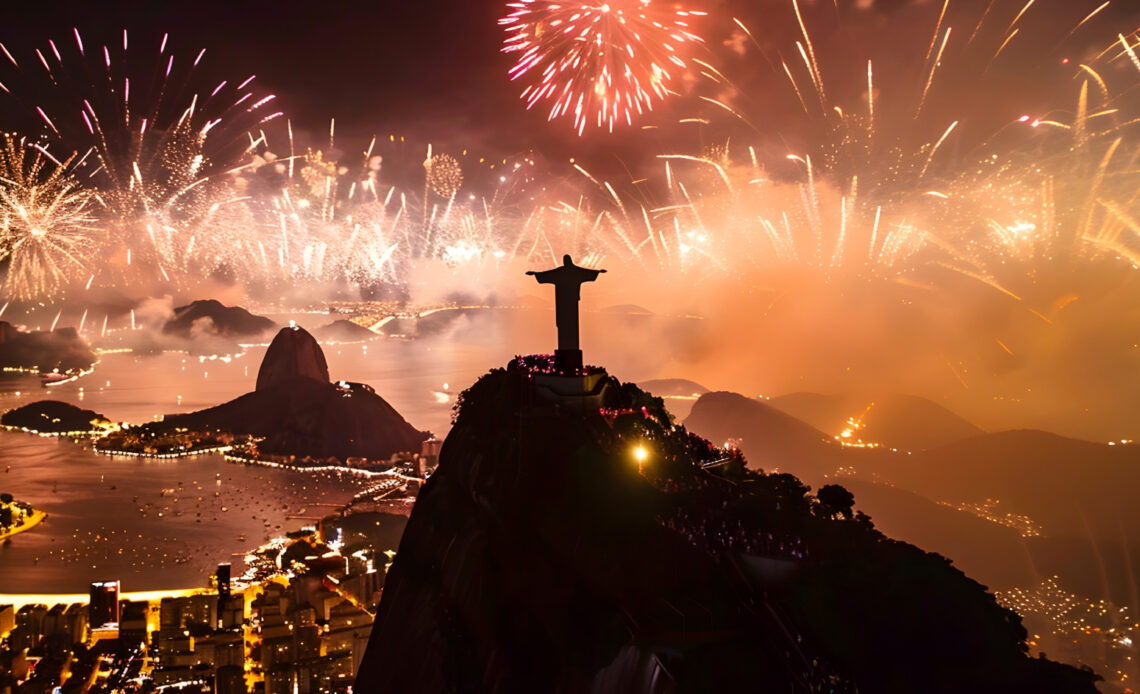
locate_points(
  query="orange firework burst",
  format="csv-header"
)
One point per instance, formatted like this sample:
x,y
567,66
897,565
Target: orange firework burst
x,y
600,61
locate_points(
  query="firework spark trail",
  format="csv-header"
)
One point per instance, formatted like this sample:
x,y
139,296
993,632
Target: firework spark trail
x,y
1131,53
813,65
870,99
933,67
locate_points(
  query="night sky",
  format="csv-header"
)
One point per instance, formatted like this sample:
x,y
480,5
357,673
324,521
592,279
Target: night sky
x,y
432,69
377,67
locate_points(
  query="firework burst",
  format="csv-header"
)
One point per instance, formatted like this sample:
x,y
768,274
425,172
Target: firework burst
x,y
150,135
598,62
909,176
444,174
46,226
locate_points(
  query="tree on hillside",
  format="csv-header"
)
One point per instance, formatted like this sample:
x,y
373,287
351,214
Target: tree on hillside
x,y
834,499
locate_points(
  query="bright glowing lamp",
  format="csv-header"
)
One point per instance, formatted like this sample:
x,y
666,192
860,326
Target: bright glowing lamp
x,y
640,455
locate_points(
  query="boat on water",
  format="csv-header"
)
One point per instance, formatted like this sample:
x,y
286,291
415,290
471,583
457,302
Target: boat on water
x,y
50,379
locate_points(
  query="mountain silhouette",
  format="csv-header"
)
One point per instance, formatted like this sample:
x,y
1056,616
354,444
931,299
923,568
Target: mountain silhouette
x,y
542,557
344,331
293,353
53,417
298,412
210,317
770,438
1070,487
1079,494
905,422
994,554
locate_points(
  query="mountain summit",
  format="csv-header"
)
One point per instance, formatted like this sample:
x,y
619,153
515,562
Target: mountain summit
x,y
296,411
211,317
293,353
605,549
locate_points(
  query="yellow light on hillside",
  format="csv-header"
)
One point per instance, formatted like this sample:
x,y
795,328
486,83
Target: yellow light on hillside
x,y
640,455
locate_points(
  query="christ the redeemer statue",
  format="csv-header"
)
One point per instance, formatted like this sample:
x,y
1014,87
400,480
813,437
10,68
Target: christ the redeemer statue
x,y
567,281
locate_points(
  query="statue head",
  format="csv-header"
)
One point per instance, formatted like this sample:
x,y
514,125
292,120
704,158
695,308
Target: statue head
x,y
567,261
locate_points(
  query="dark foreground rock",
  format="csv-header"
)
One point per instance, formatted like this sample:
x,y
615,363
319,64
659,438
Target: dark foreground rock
x,y
539,559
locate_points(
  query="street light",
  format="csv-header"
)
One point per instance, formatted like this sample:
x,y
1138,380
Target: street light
x,y
640,455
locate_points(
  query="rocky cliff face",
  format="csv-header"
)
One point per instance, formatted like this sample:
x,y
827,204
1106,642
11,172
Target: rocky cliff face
x,y
294,353
539,558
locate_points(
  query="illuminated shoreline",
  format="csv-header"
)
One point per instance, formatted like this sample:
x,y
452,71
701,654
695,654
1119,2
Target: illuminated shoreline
x,y
33,520
20,599
66,377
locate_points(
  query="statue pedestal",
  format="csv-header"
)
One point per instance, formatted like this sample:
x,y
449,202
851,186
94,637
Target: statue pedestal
x,y
579,390
578,393
568,361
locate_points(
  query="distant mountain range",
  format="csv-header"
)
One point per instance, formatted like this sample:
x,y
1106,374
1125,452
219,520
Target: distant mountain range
x,y
768,437
1080,494
905,422
343,331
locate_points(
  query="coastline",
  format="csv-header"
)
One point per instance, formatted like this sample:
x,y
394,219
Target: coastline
x,y
20,599
33,521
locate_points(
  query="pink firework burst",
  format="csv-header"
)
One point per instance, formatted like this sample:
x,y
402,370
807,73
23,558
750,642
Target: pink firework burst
x,y
599,62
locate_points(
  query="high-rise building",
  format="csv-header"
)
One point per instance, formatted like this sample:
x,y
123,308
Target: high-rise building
x,y
223,575
132,624
230,679
222,578
104,605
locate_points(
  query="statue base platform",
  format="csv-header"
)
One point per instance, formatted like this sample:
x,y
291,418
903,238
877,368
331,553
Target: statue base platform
x,y
579,393
579,389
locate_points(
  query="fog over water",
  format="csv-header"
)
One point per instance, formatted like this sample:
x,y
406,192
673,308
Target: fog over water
x,y
103,512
